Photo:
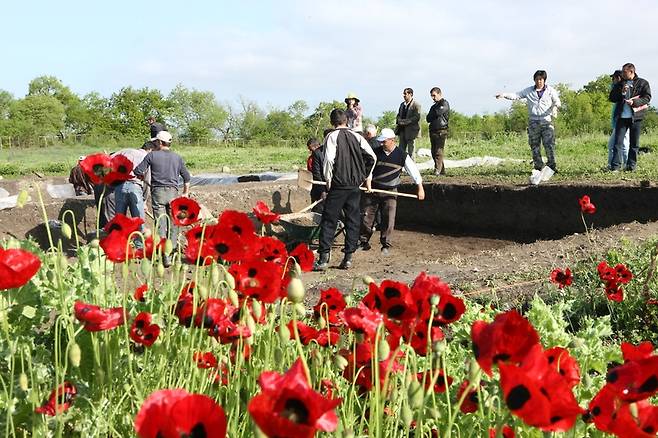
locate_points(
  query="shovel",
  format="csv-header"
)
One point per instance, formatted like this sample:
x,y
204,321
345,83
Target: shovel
x,y
306,182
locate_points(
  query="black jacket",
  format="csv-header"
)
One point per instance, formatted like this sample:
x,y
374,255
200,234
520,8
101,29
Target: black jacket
x,y
640,89
353,161
438,115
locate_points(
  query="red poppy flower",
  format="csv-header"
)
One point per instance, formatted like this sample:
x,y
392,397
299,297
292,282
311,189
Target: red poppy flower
x,y
442,381
606,273
140,291
205,360
150,248
123,224
610,414
359,366
184,308
586,205
120,170
393,299
264,214
507,339
287,405
624,275
417,335
330,304
635,380
231,246
471,401
303,256
307,334
630,352
59,401
95,319
17,267
362,320
198,250
562,279
614,292
172,413
238,222
117,248
505,432
535,392
184,211
142,331
565,364
97,166
271,249
257,279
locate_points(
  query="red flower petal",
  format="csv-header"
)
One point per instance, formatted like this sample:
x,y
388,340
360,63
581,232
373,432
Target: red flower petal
x,y
17,267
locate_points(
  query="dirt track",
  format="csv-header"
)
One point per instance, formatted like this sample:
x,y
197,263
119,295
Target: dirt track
x,y
468,263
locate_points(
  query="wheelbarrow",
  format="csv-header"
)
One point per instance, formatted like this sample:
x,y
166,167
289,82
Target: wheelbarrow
x,y
301,227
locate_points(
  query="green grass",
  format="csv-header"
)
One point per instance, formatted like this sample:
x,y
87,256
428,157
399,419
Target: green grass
x,y
580,158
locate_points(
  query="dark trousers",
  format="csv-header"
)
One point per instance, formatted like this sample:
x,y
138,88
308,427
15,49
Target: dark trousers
x,y
106,209
347,201
438,141
407,144
621,127
371,203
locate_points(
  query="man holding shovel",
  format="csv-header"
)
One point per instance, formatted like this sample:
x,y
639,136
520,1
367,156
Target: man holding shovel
x,y
348,163
386,176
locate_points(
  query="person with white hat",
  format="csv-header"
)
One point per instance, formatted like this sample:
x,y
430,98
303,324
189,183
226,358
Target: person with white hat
x,y
167,167
354,113
386,176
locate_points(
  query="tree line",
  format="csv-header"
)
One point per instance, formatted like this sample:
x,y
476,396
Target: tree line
x,y
52,109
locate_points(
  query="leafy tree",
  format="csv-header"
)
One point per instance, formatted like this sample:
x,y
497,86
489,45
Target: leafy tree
x,y
6,99
129,109
318,121
73,109
387,120
36,116
196,115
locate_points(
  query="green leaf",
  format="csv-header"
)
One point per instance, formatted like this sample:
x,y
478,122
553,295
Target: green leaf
x,y
29,312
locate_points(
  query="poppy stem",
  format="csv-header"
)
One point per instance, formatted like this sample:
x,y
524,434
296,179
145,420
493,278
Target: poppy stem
x,y
298,344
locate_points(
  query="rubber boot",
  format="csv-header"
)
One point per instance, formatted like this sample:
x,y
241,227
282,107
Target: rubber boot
x,y
347,262
322,263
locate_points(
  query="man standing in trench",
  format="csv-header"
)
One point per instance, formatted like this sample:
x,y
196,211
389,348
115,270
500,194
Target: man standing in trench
x,y
348,163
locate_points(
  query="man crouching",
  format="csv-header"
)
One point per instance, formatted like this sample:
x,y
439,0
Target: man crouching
x,y
348,163
386,176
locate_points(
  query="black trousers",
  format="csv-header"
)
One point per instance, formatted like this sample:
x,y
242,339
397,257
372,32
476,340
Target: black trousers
x,y
347,201
620,132
438,142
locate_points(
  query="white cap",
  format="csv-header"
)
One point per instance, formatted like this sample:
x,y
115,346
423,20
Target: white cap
x,y
386,134
163,136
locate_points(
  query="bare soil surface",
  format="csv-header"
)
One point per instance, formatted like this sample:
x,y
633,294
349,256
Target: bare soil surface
x,y
473,265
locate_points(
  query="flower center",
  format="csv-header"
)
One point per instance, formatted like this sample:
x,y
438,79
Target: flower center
x,y
295,411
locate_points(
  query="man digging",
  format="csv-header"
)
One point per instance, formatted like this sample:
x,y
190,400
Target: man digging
x,y
386,176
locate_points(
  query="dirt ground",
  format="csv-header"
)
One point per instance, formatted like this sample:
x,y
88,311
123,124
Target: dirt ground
x,y
473,265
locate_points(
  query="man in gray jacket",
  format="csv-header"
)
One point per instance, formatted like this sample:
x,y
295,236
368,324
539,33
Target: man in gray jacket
x,y
407,121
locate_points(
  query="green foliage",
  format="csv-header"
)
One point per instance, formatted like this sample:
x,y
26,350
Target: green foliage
x,y
196,115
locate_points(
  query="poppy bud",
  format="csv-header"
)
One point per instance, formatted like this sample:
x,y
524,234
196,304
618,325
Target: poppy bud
x,y
300,309
251,324
257,308
233,298
22,382
249,340
66,230
160,269
322,323
50,275
278,355
63,262
348,433
215,275
340,362
435,300
406,415
145,267
284,333
383,349
228,278
168,247
95,243
22,198
74,355
415,394
296,290
296,271
367,279
439,347
203,292
434,413
317,356
474,374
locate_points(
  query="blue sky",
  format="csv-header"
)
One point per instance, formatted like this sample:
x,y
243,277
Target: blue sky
x,y
274,53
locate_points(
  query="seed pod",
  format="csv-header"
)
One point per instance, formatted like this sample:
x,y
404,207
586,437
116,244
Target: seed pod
x,y
406,415
22,382
340,362
300,309
383,349
63,262
168,247
257,308
296,290
145,267
251,324
367,279
322,323
66,230
296,270
203,291
434,413
228,278
160,269
435,300
215,275
415,394
233,298
284,333
74,355
95,243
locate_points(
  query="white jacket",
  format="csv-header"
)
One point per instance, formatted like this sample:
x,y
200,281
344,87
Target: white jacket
x,y
538,109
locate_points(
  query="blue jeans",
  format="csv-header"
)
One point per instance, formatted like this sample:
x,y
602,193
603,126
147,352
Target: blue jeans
x,y
129,196
160,199
611,147
623,126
